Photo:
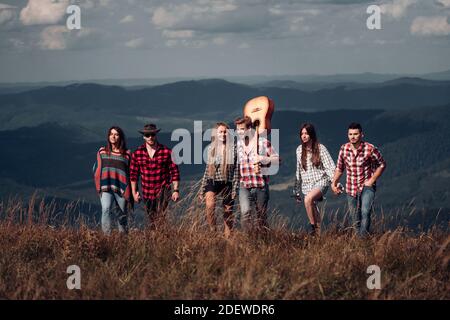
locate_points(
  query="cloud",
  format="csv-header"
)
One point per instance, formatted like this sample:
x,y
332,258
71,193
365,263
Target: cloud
x,y
445,3
52,38
207,21
135,43
178,34
430,26
209,16
61,38
220,41
127,19
244,45
89,4
7,13
44,12
397,8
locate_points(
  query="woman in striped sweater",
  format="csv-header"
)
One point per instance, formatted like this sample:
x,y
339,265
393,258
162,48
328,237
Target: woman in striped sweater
x,y
112,179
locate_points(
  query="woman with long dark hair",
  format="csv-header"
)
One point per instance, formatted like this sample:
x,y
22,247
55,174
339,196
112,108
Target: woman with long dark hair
x,y
112,179
315,169
221,177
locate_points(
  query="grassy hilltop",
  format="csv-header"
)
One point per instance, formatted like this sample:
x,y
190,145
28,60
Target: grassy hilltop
x,y
184,260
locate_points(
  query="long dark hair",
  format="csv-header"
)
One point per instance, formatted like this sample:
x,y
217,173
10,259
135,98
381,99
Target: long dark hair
x,y
314,146
122,140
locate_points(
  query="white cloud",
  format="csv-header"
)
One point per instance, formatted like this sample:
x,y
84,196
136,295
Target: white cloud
x,y
17,44
397,8
7,13
186,43
105,3
220,41
127,19
61,38
52,38
43,12
179,34
430,26
244,45
202,22
445,3
90,4
194,13
163,18
346,41
135,43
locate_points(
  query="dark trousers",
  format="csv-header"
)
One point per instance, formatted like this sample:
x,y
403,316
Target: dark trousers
x,y
156,208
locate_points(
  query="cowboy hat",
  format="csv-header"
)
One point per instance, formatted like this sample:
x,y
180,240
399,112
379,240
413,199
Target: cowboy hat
x,y
149,128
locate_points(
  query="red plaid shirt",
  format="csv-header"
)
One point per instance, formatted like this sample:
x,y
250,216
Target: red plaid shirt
x,y
156,173
248,177
360,167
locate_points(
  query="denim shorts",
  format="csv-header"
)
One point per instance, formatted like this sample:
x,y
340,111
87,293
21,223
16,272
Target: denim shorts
x,y
323,189
221,188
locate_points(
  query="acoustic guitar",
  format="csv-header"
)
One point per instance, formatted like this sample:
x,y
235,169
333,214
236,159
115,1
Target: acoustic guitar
x,y
260,110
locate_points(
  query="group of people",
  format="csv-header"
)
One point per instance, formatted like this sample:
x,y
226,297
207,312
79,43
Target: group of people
x,y
235,170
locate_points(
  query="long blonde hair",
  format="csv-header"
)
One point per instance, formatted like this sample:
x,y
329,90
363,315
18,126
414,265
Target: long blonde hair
x,y
227,162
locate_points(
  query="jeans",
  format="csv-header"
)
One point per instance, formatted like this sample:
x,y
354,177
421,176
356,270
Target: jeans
x,y
257,199
107,200
360,210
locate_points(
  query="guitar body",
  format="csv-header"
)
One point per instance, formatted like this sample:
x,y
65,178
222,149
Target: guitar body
x,y
260,110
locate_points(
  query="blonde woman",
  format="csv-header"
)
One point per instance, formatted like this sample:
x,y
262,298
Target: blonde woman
x,y
221,177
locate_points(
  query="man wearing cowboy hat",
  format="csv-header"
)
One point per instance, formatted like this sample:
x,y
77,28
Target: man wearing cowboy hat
x,y
153,163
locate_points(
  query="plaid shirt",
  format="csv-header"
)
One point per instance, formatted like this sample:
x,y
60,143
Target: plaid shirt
x,y
361,167
314,177
156,173
248,177
232,174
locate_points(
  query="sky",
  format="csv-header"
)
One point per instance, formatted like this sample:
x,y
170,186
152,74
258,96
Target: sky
x,y
135,39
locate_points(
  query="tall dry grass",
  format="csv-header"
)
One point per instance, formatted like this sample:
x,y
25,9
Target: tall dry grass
x,y
182,259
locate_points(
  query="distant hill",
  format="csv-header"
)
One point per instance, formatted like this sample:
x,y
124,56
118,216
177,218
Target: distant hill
x,y
95,105
315,86
364,78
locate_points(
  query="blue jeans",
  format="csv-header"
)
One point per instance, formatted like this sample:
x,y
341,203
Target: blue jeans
x,y
251,201
360,210
108,199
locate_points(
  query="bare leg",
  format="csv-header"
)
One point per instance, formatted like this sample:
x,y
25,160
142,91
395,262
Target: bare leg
x,y
210,199
311,208
228,220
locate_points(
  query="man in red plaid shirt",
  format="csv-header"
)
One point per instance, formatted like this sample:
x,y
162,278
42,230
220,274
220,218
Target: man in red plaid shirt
x,y
364,164
153,163
253,177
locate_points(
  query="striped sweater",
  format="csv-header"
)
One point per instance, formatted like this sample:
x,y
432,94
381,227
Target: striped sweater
x,y
112,173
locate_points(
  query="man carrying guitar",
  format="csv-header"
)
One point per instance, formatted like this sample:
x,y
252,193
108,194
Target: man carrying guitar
x,y
255,153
